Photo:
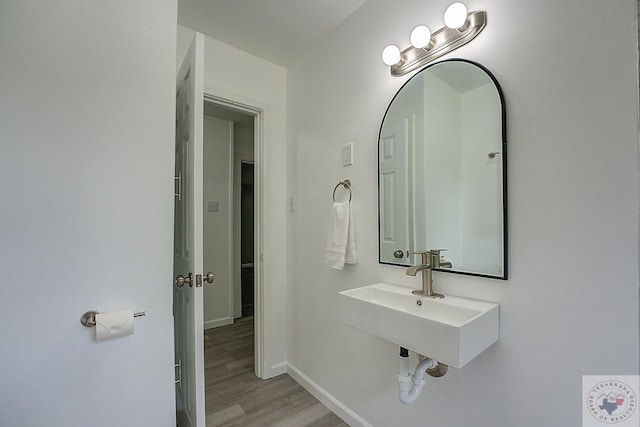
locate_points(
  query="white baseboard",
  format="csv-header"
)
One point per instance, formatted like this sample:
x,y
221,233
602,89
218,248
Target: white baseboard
x,y
328,400
278,369
218,322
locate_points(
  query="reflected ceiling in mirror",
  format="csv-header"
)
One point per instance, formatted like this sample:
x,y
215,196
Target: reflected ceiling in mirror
x,y
442,171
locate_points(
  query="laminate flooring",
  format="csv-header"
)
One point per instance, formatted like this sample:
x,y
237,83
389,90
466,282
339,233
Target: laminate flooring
x,y
236,397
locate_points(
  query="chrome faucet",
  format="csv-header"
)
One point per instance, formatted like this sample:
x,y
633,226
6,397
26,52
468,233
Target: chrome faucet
x,y
430,260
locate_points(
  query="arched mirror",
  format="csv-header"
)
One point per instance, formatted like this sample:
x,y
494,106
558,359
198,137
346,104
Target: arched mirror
x,y
442,171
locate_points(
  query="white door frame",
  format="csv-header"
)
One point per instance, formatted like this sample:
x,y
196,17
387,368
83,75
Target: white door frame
x,y
258,137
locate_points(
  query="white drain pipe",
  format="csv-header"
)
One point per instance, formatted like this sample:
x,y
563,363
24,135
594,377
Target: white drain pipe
x,y
410,388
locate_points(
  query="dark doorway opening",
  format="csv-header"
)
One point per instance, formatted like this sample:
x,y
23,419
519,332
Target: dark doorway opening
x,y
246,238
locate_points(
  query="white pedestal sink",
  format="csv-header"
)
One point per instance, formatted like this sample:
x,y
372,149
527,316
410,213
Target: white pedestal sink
x,y
452,330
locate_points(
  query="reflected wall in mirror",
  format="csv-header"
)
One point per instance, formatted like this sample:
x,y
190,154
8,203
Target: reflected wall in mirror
x,y
442,171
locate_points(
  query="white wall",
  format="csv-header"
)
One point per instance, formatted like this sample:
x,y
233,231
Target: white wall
x,y
86,157
481,189
236,75
218,226
570,306
243,145
443,133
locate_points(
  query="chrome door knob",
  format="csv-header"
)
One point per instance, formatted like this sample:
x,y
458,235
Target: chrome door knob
x,y
181,280
208,277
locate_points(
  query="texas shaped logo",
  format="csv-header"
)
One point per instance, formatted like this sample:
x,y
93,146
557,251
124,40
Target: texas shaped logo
x,y
611,402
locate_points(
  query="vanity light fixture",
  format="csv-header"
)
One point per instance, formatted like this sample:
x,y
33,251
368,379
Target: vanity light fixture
x,y
460,28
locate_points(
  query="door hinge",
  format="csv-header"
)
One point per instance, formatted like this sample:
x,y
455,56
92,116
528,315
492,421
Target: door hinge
x,y
178,368
177,189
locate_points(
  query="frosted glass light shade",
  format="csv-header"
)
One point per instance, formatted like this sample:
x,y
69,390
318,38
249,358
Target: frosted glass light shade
x,y
420,36
455,16
391,55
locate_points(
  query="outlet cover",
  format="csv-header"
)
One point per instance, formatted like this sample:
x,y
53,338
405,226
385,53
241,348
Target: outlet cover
x,y
212,206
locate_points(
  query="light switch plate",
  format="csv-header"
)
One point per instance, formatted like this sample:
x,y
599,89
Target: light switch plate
x,y
347,154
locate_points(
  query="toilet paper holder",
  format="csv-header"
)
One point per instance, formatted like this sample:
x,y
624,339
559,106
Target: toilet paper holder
x,y
89,318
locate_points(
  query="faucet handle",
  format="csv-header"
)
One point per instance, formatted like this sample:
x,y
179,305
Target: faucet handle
x,y
436,257
426,251
425,256
435,253
430,256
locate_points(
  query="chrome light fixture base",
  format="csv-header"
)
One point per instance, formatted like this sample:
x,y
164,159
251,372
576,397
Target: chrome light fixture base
x,y
443,41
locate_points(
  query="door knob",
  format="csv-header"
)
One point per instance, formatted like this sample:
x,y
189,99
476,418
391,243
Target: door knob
x,y
207,278
399,253
181,280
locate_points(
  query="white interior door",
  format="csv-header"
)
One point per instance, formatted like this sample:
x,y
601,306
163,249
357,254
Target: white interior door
x,y
188,245
394,211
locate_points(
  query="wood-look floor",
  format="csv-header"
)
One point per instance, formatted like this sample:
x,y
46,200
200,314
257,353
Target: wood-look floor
x,y
236,397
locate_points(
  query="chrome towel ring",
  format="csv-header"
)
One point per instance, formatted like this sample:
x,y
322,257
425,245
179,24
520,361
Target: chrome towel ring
x,y
346,184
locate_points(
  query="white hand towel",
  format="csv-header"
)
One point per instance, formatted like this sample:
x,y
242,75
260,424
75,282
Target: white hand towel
x,y
351,257
341,242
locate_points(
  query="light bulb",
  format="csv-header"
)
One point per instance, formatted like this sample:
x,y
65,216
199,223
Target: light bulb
x,y
455,16
420,36
391,55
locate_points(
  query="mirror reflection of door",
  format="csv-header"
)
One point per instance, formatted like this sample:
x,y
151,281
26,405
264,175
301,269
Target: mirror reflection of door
x,y
394,209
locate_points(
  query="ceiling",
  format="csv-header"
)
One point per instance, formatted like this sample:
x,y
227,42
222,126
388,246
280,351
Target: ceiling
x,y
275,30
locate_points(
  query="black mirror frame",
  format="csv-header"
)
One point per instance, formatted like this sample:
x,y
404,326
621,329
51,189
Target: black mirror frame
x,y
505,234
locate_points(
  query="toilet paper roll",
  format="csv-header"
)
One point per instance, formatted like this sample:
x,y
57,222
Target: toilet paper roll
x,y
114,324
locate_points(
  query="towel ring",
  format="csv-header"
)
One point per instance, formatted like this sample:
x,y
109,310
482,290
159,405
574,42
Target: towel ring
x,y
346,184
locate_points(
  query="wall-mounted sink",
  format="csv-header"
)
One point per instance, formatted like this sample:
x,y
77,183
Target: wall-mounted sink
x,y
452,330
